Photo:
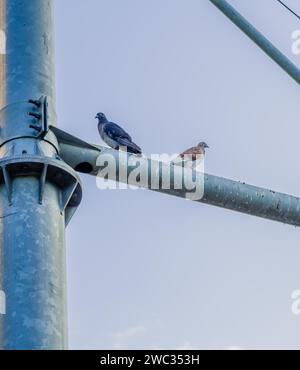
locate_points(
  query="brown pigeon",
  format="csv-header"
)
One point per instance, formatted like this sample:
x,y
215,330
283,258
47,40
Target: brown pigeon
x,y
195,152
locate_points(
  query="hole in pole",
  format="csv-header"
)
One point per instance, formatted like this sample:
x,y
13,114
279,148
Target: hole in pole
x,y
84,167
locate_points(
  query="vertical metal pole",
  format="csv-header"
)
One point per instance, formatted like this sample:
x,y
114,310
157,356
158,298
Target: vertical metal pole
x,y
32,209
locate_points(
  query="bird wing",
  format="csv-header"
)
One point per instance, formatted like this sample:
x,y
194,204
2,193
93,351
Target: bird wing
x,y
114,131
191,151
131,147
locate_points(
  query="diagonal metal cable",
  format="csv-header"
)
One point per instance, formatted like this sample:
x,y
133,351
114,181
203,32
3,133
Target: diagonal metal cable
x,y
289,9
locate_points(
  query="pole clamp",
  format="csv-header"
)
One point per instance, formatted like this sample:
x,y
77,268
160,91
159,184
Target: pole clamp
x,y
40,116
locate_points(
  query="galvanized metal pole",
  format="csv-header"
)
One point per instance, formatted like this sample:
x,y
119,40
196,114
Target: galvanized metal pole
x,y
217,191
258,38
38,192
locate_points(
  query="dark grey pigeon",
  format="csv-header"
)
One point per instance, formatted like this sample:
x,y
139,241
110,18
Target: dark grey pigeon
x,y
114,136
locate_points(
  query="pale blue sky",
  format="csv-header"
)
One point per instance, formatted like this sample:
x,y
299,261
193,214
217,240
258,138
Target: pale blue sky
x,y
150,271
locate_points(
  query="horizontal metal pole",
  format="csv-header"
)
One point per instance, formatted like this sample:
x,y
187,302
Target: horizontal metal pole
x,y
258,38
218,191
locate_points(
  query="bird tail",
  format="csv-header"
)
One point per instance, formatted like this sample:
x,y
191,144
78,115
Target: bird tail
x,y
131,146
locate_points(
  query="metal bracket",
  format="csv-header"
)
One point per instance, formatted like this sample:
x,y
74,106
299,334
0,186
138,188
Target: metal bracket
x,y
40,115
46,170
8,184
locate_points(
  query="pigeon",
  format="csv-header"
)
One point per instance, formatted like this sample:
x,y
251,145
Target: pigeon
x,y
192,157
195,152
114,136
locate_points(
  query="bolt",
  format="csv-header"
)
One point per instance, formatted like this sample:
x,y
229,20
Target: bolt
x,y
36,127
37,103
35,115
